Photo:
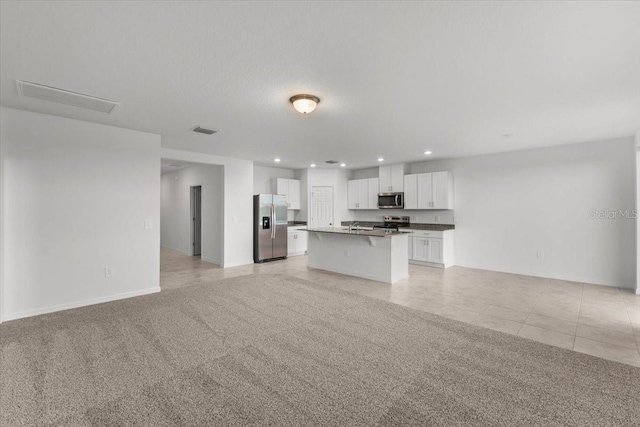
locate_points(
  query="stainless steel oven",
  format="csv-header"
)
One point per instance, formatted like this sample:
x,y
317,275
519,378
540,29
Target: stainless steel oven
x,y
390,200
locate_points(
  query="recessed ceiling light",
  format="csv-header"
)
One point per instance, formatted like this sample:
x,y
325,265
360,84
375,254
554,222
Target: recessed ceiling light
x,y
428,152
343,165
380,159
313,165
507,135
277,160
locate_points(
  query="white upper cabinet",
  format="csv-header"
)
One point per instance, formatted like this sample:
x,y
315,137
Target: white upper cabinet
x,y
362,194
442,190
391,178
425,192
289,188
352,194
411,191
374,184
429,191
294,194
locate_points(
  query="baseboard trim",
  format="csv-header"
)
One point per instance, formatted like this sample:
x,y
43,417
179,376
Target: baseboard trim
x,y
211,260
587,280
78,304
237,264
428,264
175,250
297,253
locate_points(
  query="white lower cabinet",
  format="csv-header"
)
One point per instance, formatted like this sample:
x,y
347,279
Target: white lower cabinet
x,y
432,248
296,242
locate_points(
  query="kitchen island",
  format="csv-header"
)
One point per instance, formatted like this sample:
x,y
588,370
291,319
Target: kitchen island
x,y
380,255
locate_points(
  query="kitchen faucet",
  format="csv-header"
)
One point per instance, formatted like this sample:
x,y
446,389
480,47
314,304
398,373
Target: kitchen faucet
x,y
352,224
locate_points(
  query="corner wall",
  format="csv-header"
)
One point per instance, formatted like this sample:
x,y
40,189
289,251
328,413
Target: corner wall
x,y
510,206
637,212
238,203
76,199
263,176
175,215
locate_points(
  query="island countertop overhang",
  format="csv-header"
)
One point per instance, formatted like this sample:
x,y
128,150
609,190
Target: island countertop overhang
x,y
347,232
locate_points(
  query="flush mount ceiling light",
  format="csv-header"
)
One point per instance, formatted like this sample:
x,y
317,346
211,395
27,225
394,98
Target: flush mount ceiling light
x,y
304,103
277,160
343,165
428,152
313,165
380,159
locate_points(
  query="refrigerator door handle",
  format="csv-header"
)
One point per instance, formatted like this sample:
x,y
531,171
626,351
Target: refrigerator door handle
x,y
273,221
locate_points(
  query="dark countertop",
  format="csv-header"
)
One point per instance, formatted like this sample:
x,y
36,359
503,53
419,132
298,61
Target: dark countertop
x,y
412,226
345,231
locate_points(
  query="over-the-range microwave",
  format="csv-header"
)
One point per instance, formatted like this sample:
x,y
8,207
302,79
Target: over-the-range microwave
x,y
390,200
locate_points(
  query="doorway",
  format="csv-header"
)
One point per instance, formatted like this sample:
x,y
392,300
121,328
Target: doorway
x,y
196,220
322,206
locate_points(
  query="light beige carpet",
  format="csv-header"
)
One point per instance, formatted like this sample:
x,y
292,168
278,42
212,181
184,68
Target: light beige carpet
x,y
277,350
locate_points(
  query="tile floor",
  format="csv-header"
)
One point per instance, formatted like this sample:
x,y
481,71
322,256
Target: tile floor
x,y
596,320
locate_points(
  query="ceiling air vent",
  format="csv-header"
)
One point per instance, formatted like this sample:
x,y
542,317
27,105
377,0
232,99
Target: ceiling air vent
x,y
52,94
332,162
206,131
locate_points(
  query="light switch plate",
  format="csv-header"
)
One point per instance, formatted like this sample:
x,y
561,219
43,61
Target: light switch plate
x,y
148,224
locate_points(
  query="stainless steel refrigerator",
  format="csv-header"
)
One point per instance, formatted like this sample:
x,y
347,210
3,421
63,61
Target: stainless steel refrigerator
x,y
269,227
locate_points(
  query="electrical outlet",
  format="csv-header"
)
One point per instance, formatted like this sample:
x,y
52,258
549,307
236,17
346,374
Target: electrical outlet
x,y
108,272
147,224
436,218
455,219
540,255
346,253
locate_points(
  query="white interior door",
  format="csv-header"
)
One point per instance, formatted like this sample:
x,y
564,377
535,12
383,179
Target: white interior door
x,y
322,207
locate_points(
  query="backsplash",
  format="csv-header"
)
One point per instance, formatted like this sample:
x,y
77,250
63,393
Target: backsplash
x,y
426,217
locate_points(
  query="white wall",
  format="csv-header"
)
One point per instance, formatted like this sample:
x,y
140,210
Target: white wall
x,y
238,203
175,214
76,198
509,206
3,137
365,173
637,211
263,175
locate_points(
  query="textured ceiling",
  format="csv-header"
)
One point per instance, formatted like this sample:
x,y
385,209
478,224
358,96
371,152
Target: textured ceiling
x,y
395,79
